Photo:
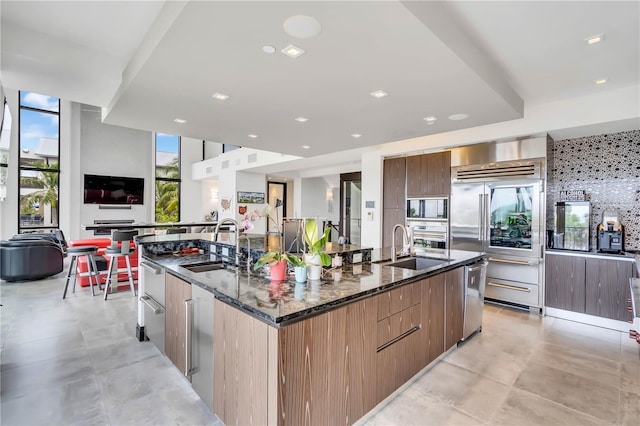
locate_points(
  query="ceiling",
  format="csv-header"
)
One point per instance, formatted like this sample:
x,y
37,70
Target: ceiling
x,y
147,63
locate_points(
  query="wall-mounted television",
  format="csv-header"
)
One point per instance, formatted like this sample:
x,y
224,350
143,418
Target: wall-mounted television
x,y
113,190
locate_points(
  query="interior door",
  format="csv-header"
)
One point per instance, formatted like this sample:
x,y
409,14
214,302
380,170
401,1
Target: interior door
x,y
466,216
351,206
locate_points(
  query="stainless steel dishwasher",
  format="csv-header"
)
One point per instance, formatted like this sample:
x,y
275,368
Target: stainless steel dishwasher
x,y
153,299
475,279
199,347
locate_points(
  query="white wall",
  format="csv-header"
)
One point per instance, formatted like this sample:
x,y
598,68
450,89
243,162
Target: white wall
x,y
191,208
9,207
252,182
112,151
315,202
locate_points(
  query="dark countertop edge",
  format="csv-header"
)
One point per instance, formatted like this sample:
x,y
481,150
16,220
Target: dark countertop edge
x,y
318,309
595,254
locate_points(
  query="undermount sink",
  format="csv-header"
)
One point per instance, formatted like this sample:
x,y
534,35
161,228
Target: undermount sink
x,y
416,263
204,266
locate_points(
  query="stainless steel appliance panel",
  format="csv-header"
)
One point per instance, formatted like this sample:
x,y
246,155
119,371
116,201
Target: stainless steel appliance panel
x,y
510,268
201,353
513,291
427,208
153,301
475,279
466,221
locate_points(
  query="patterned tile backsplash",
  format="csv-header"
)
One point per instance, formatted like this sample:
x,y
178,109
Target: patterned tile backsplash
x,y
607,168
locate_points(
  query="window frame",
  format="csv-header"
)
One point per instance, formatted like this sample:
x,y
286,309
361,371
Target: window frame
x,y
22,167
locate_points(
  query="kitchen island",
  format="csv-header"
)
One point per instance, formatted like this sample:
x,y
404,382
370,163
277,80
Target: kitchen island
x,y
321,352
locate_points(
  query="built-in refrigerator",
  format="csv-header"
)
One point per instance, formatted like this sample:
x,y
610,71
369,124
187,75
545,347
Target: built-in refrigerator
x,y
497,208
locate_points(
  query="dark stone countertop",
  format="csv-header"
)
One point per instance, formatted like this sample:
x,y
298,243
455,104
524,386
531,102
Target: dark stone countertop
x,y
280,303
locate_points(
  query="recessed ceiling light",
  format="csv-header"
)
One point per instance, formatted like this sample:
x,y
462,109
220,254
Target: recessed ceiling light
x,y
594,39
180,120
301,26
301,119
600,81
457,117
379,94
220,96
430,119
293,51
252,136
305,147
268,49
356,135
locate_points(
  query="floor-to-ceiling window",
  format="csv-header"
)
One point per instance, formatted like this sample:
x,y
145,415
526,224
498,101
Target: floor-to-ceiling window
x,y
5,137
167,184
39,160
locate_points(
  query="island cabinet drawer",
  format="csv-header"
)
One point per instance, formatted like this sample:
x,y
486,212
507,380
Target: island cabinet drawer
x,y
395,326
398,299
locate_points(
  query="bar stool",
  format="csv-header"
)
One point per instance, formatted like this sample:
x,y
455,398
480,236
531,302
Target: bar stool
x,y
125,238
89,253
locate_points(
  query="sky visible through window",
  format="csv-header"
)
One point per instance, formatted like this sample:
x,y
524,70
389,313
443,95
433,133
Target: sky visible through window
x,y
167,143
36,125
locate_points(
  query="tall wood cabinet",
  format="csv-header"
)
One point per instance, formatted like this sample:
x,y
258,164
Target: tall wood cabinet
x,y
429,175
590,285
393,198
177,291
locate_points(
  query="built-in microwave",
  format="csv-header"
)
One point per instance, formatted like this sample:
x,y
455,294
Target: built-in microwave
x,y
427,208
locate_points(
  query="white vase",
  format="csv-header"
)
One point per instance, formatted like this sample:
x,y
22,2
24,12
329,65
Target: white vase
x,y
300,273
314,266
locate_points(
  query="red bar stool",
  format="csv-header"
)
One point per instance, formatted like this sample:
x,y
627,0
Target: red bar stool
x,y
76,252
126,239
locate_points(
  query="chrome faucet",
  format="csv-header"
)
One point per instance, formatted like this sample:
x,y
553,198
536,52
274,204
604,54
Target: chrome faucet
x,y
406,242
248,253
237,233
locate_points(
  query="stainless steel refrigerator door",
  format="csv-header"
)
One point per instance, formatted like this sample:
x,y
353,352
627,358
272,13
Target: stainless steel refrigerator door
x,y
513,218
202,344
467,216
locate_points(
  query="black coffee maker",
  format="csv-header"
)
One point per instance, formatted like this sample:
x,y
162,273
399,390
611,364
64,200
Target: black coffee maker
x,y
610,233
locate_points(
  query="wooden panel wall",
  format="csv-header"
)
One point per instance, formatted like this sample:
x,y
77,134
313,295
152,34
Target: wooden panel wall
x,y
327,367
241,367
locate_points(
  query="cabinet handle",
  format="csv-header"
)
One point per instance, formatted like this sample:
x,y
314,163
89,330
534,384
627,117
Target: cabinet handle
x,y
400,337
515,262
480,217
510,287
151,303
156,270
188,326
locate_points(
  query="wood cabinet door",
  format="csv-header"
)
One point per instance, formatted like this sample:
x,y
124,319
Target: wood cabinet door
x,y
177,291
437,170
454,307
607,288
565,286
391,218
415,182
393,183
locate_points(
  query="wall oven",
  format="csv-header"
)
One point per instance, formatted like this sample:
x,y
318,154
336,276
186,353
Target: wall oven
x,y
428,234
427,208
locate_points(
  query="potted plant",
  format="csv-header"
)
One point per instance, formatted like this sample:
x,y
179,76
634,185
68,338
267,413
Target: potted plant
x,y
315,258
277,262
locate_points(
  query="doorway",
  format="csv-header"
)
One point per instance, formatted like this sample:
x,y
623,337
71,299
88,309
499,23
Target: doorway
x,y
351,206
277,200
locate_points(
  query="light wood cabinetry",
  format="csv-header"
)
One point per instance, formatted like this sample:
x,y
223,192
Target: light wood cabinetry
x,y
244,363
454,307
590,285
565,282
177,291
429,175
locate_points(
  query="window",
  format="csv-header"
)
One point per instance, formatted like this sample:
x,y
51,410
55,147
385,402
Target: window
x,y
167,178
39,161
5,137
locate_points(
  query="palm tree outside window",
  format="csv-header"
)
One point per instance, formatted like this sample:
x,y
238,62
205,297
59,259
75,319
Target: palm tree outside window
x,y
39,162
167,183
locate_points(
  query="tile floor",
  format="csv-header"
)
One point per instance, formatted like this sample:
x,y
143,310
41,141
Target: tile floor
x,y
76,361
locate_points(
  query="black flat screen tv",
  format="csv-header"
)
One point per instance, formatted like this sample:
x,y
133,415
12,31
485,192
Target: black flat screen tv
x,y
113,190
